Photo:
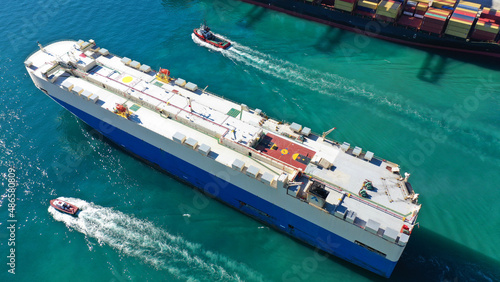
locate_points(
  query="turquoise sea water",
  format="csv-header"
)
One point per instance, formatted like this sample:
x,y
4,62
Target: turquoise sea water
x,y
434,114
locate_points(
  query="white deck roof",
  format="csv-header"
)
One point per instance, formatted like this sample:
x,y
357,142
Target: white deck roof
x,y
205,117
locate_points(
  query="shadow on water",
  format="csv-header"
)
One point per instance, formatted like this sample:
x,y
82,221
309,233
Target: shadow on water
x,y
253,16
330,39
432,68
431,256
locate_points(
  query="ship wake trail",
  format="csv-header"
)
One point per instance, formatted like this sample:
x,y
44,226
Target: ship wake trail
x,y
392,106
142,239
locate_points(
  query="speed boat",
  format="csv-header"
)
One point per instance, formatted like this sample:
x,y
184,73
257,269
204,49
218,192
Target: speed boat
x,y
64,207
204,33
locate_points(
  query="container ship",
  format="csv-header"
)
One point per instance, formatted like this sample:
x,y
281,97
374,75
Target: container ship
x,y
458,26
336,197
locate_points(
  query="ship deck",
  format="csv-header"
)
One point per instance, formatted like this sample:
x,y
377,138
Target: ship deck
x,y
234,132
285,150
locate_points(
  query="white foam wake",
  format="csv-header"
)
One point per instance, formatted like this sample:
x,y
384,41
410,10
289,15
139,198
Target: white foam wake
x,y
341,88
142,239
391,106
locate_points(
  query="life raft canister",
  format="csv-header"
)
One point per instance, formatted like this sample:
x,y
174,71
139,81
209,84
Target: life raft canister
x,y
165,72
121,108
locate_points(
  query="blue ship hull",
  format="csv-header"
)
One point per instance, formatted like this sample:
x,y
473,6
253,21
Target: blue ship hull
x,y
242,200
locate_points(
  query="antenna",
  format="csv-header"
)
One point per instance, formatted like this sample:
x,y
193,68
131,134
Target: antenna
x,y
327,132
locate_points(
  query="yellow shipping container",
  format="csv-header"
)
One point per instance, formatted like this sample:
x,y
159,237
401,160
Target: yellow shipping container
x,y
368,4
470,4
422,8
457,34
439,12
388,6
488,27
440,4
344,6
423,1
458,29
458,22
392,16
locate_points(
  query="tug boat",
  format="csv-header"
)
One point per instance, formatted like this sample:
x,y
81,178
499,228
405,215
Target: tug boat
x,y
64,207
204,33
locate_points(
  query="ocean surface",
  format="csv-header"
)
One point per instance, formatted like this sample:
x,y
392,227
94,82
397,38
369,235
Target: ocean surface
x,y
436,114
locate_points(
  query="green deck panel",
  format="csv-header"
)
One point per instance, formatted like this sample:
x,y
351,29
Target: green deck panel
x,y
157,83
233,112
135,107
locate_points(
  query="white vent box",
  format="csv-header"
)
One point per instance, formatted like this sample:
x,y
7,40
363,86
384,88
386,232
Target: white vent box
x,y
145,68
295,127
86,94
191,86
94,98
253,171
238,165
191,143
67,85
77,90
180,82
103,51
267,178
345,146
356,151
179,137
135,64
369,156
372,226
391,235
204,149
305,131
126,60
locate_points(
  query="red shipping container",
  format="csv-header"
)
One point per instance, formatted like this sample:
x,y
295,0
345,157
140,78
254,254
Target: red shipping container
x,y
364,13
433,24
483,37
410,21
490,20
468,14
410,9
434,19
484,33
489,13
420,12
429,22
433,30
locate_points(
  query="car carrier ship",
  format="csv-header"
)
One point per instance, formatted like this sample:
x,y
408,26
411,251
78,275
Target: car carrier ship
x,y
334,196
459,26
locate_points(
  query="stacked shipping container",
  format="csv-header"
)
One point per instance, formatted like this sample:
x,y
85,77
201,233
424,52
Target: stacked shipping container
x,y
389,10
345,5
421,8
487,26
462,19
444,4
435,20
368,7
429,16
